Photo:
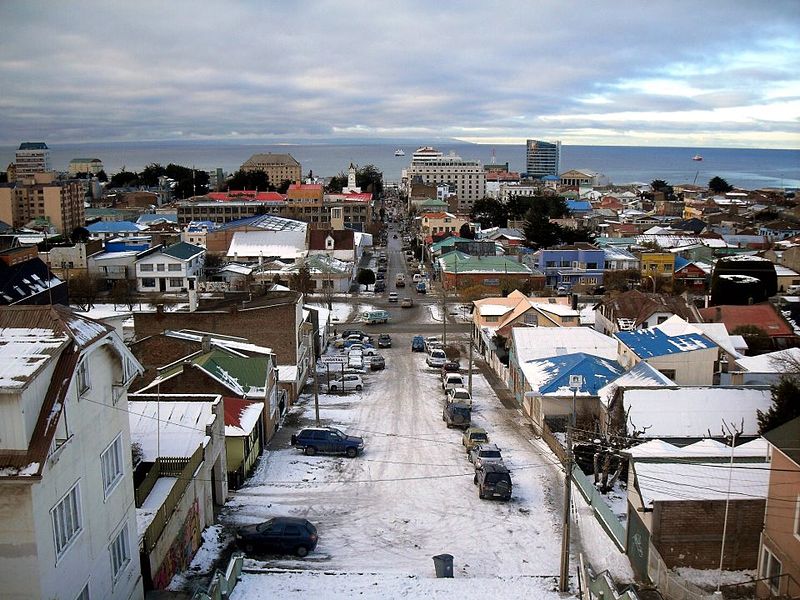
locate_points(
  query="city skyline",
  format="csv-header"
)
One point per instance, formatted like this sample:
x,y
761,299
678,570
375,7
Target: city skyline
x,y
679,74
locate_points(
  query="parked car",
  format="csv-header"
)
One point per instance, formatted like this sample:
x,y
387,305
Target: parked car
x,y
392,296
380,286
459,395
493,481
451,366
384,340
431,339
436,358
418,344
482,454
347,333
348,382
355,361
452,380
279,535
417,278
422,288
327,440
474,436
456,414
370,351
377,363
406,303
400,280
381,269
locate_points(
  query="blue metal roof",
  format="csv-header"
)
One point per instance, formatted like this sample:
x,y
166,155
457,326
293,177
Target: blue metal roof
x,y
579,205
646,343
553,373
151,217
112,227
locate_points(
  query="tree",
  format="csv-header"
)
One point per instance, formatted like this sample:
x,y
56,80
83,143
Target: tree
x,y
580,234
621,281
785,405
301,281
123,293
83,291
370,179
719,186
466,232
124,179
659,185
250,180
101,176
336,183
539,231
284,186
150,174
366,277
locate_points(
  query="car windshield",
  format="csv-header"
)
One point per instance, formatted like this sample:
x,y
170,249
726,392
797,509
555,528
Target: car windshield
x,y
480,437
461,411
461,395
490,454
495,478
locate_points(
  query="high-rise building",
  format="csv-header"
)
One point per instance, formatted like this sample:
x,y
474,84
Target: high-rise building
x,y
42,199
542,158
278,167
429,166
32,157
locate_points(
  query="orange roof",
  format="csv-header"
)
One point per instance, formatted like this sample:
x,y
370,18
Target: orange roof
x,y
305,186
246,195
436,215
761,315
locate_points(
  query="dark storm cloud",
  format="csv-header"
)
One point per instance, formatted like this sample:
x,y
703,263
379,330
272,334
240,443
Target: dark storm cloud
x,y
100,71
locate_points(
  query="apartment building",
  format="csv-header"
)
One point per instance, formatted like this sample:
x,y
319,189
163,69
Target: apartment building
x,y
542,158
429,166
31,157
278,167
85,165
41,198
66,484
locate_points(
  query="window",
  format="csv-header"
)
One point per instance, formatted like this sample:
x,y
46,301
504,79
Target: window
x,y
175,282
66,516
531,318
174,267
662,319
668,373
148,282
120,552
82,378
160,267
771,568
111,465
146,267
492,319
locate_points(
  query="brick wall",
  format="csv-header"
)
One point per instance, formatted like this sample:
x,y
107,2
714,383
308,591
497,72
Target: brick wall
x,y
271,326
156,351
516,280
689,534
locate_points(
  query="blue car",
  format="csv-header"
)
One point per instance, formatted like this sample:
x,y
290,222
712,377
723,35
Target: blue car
x,y
418,344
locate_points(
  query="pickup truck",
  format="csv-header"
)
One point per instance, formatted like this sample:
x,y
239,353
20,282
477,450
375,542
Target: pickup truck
x,y
328,440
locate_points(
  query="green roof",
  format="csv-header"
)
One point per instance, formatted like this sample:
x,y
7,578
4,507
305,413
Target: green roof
x,y
451,241
432,202
183,251
244,376
458,262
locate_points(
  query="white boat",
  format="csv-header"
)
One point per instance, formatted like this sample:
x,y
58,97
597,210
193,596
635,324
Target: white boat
x,y
399,152
697,157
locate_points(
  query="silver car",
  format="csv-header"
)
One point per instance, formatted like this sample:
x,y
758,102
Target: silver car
x,y
485,453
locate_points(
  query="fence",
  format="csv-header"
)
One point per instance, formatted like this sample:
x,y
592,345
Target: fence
x,y
222,584
181,468
605,516
670,584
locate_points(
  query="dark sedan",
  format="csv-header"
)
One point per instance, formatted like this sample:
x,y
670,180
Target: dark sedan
x,y
279,535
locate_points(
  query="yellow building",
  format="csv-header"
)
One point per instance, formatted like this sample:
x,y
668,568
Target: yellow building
x,y
40,197
657,264
278,167
431,224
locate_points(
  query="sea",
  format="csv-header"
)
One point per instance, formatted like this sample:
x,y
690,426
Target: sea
x,y
740,167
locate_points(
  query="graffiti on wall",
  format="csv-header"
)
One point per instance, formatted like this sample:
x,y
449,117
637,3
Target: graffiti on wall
x,y
182,550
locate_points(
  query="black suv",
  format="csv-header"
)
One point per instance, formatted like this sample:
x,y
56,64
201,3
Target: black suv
x,y
493,481
384,340
329,440
279,535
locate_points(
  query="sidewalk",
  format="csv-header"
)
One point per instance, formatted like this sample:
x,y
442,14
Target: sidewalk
x,y
503,393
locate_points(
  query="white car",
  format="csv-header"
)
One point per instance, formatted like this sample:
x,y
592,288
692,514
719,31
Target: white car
x,y
355,361
459,394
485,454
436,358
431,339
392,296
348,382
451,381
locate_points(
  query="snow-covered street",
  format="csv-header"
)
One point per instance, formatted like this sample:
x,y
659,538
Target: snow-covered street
x,y
410,495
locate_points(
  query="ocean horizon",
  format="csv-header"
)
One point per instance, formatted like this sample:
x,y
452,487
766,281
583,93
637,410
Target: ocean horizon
x,y
741,167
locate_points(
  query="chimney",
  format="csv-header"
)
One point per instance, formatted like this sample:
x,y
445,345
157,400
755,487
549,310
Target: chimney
x,y
718,314
205,343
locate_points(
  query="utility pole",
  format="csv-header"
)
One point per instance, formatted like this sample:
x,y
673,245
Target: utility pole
x,y
469,376
575,382
733,433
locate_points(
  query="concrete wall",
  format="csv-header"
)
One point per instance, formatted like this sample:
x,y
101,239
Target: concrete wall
x,y
691,368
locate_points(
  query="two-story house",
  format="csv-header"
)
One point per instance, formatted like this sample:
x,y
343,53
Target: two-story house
x,y
568,266
68,526
175,268
437,224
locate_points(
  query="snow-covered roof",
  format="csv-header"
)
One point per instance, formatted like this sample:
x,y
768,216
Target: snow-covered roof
x,y
693,412
647,343
221,341
665,482
551,375
716,332
531,343
241,416
237,268
642,375
287,373
169,428
707,448
288,244
562,310
494,310
771,362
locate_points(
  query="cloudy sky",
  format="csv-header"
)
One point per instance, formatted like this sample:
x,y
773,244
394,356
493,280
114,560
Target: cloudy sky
x,y
699,73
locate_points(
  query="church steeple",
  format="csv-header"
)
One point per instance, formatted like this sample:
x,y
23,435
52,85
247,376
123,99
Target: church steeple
x,y
351,177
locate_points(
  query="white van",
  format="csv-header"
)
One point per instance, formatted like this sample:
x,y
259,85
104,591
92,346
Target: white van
x,y
417,278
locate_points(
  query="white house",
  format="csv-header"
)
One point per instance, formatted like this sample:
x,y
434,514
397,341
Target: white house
x,y
172,269
68,526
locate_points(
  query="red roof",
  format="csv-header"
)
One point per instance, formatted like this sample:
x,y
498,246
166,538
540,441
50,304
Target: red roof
x,y
305,186
436,215
234,407
349,197
762,315
247,195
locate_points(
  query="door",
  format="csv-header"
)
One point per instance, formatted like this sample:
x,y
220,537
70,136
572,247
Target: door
x,y
290,538
273,538
162,284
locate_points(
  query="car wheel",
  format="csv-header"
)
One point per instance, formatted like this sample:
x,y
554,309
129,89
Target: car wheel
x,y
310,451
358,388
351,452
475,480
301,551
481,495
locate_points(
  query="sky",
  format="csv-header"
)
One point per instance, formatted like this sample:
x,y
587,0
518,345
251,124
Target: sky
x,y
704,73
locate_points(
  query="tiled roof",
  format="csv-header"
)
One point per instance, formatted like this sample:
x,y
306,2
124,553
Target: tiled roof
x,y
342,239
647,343
762,315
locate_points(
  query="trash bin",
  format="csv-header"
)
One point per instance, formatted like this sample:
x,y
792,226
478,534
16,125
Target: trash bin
x,y
444,565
